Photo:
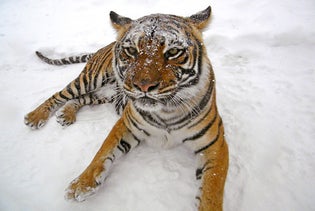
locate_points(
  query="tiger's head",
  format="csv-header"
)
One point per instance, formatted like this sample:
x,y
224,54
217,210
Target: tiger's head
x,y
160,61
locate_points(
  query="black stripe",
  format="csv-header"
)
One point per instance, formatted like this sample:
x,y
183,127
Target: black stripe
x,y
72,59
203,169
104,80
199,172
63,96
200,57
137,126
134,136
201,132
95,79
92,98
198,107
77,85
207,97
175,21
125,145
77,59
189,72
69,90
201,119
193,77
83,58
121,71
107,77
109,158
57,101
65,61
56,62
196,110
90,75
90,56
183,83
104,59
84,99
198,198
85,84
198,60
189,42
137,139
185,60
118,103
120,149
150,120
157,117
174,31
112,80
212,142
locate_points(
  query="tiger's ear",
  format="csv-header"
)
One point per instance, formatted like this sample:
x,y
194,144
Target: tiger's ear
x,y
118,21
201,19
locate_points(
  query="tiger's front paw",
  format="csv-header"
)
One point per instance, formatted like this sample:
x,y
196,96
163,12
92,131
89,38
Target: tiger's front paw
x,y
80,189
37,118
66,115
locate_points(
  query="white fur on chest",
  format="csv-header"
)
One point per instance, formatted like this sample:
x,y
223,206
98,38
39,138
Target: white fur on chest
x,y
162,138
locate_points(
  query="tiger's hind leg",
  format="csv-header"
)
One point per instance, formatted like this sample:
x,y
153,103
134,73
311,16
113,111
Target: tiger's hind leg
x,y
71,98
66,115
75,90
96,74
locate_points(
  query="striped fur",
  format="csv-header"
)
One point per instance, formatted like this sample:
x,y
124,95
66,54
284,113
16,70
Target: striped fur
x,y
68,60
161,81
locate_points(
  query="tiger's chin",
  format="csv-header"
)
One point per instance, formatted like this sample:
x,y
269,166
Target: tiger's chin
x,y
147,104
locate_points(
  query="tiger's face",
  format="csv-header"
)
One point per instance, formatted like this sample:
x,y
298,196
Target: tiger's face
x,y
158,60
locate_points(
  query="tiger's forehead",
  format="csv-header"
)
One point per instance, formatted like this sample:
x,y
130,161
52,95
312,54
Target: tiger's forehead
x,y
159,29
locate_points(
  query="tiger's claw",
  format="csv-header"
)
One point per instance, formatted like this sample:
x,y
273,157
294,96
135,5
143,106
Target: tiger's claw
x,y
66,116
79,190
36,119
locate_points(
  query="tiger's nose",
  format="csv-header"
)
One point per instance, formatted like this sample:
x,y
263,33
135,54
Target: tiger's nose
x,y
146,86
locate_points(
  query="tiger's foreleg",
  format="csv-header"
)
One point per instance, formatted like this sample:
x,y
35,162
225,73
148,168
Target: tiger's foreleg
x,y
119,141
66,115
212,173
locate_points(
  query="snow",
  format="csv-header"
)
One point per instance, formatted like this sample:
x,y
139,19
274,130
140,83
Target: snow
x,y
263,56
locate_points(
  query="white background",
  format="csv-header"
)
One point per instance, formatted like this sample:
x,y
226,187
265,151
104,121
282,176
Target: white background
x,y
263,53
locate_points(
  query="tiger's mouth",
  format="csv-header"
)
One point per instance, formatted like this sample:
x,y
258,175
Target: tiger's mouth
x,y
148,103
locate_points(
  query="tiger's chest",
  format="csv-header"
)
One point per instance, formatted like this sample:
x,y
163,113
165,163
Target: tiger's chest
x,y
158,133
162,138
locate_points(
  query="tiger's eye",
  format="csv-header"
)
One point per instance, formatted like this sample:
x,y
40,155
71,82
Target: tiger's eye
x,y
131,51
173,51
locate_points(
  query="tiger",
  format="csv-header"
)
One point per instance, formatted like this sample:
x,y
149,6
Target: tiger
x,y
160,80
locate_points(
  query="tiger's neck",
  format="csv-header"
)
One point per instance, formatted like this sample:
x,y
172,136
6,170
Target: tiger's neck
x,y
173,118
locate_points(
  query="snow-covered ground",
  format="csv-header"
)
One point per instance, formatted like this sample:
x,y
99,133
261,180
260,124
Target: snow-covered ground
x,y
263,53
